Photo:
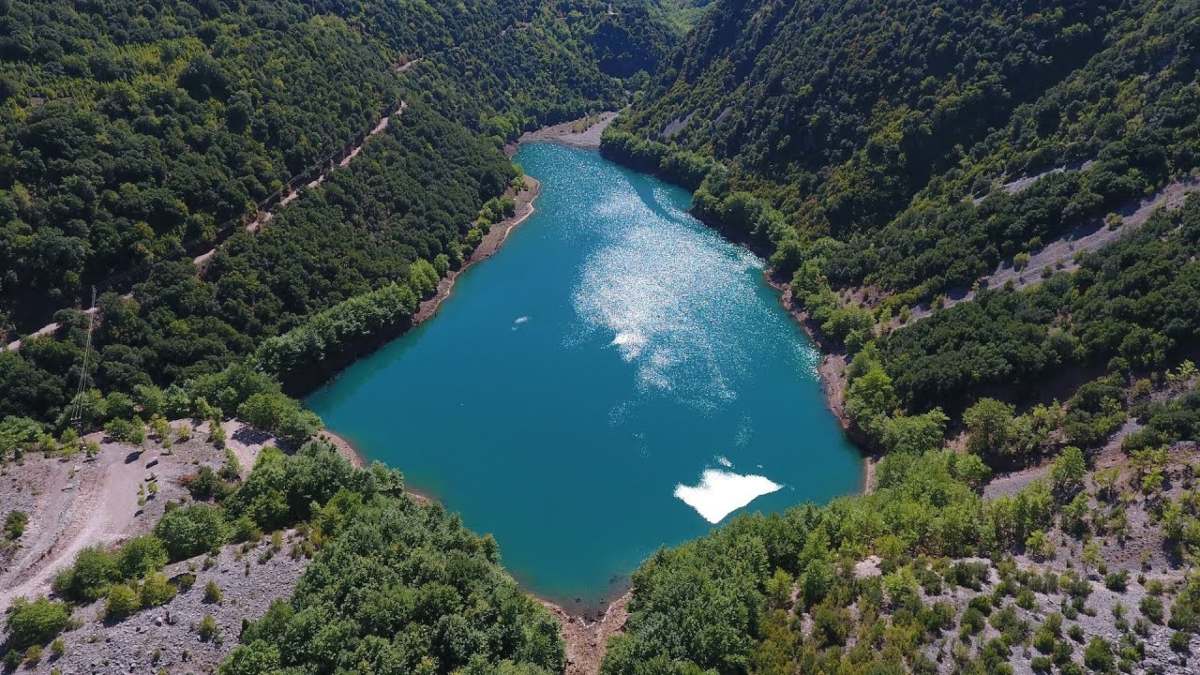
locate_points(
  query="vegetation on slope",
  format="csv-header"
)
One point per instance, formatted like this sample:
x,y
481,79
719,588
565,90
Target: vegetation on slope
x,y
437,603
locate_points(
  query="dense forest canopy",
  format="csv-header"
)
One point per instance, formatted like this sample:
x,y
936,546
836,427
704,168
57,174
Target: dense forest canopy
x,y
888,154
136,133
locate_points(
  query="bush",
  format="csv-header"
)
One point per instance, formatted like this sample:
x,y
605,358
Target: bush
x,y
1098,655
88,579
35,622
1152,608
126,431
14,525
122,601
212,592
141,556
157,590
205,484
191,530
280,415
1116,581
208,628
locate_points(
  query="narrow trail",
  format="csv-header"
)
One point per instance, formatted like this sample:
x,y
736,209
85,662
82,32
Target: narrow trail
x,y
1059,255
338,161
291,191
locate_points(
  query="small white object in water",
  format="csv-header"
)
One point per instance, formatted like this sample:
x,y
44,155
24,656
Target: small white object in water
x,y
520,320
724,461
723,492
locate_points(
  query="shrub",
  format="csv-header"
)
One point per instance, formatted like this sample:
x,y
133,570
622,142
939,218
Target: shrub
x,y
14,525
205,484
1152,608
212,592
1117,581
156,590
127,431
141,556
58,647
280,415
191,530
1098,655
35,622
33,655
122,601
88,579
208,628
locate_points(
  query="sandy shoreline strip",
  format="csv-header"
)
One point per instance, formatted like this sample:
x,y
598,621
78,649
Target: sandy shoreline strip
x,y
568,133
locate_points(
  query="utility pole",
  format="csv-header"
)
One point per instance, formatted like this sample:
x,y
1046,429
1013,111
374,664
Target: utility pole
x,y
77,415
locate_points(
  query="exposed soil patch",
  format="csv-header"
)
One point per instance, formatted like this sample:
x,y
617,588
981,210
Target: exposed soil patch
x,y
77,503
581,133
586,641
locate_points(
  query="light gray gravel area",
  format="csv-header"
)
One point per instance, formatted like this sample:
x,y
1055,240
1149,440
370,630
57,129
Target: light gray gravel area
x,y
77,502
167,638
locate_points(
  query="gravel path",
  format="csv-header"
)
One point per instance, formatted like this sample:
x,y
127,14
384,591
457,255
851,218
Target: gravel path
x,y
1060,255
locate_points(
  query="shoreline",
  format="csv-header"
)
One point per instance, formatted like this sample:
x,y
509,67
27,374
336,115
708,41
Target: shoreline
x,y
567,133
585,634
492,241
831,371
832,375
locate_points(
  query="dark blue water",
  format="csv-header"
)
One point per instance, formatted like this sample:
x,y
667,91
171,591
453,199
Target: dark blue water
x,y
614,351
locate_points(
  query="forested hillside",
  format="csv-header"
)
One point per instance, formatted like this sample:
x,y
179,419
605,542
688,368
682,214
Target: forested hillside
x,y
896,154
133,137
136,137
982,211
138,133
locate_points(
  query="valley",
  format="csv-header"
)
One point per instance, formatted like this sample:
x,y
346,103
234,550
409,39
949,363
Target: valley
x,y
623,338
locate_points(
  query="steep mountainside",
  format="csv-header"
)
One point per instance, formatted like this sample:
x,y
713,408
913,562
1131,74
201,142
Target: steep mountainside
x,y
138,133
985,212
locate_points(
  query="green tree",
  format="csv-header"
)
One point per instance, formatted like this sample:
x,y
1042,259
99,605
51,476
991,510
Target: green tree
x,y
1068,473
989,424
191,530
122,601
141,556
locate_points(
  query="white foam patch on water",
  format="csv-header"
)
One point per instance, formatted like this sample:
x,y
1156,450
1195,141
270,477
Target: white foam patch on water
x,y
723,492
520,320
724,461
656,288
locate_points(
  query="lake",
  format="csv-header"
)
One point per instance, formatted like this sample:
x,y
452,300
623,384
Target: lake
x,y
616,379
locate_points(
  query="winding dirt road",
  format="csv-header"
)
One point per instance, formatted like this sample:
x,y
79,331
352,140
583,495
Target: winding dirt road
x,y
81,504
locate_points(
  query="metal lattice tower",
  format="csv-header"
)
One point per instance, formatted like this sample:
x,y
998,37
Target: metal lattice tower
x,y
77,412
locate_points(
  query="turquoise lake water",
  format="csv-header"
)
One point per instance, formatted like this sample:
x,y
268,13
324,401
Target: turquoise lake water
x,y
614,351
